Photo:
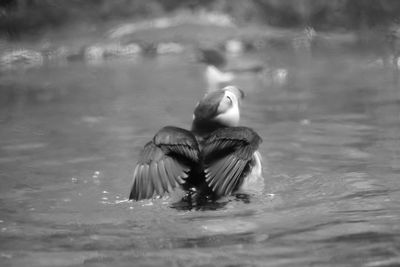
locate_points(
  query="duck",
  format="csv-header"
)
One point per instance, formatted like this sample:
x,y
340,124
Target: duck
x,y
217,73
214,159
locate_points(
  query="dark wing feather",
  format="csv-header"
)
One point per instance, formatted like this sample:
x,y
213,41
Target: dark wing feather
x,y
164,163
227,153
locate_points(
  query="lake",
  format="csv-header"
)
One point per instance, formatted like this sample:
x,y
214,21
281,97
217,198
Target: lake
x,y
70,135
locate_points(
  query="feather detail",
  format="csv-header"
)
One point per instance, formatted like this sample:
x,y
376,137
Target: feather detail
x,y
164,163
227,154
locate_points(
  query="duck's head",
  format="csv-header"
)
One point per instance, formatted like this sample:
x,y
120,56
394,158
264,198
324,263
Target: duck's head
x,y
220,108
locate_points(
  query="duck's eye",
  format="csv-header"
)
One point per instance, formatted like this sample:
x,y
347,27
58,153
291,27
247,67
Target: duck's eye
x,y
228,100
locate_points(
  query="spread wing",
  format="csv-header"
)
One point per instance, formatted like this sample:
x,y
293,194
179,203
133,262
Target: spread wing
x,y
164,163
227,155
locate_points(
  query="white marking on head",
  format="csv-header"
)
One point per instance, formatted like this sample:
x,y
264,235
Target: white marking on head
x,y
228,110
239,93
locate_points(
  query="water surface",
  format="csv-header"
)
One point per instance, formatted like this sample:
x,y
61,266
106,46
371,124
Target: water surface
x,y
70,135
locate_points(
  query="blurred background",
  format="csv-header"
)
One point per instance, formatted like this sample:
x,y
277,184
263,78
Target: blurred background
x,y
20,17
96,29
84,84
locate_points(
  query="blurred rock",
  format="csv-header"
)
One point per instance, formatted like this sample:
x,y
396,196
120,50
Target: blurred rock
x,y
21,58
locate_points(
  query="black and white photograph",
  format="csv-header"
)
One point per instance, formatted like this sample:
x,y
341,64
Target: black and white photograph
x,y
200,133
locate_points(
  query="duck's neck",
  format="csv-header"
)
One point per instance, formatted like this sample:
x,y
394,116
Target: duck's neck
x,y
203,128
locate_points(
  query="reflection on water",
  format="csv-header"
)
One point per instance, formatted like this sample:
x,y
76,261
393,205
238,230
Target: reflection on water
x,y
70,135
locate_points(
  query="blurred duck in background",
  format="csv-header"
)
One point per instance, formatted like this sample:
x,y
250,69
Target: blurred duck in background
x,y
216,158
218,73
241,71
